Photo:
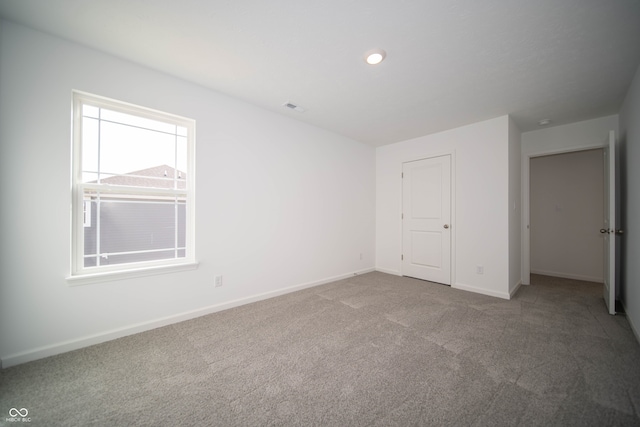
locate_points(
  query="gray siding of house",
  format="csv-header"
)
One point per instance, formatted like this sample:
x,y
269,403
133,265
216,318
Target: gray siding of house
x,y
129,226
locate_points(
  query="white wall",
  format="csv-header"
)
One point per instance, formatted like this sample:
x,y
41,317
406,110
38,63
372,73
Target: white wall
x,y
630,180
515,208
279,204
567,212
480,225
558,139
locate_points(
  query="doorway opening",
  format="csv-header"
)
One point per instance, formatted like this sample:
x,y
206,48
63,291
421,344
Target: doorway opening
x,y
566,213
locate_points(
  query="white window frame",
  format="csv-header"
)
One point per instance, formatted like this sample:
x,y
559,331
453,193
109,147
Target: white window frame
x,y
86,213
83,275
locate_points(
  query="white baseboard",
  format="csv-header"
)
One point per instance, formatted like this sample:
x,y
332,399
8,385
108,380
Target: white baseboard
x,y
513,291
569,276
463,287
635,330
75,344
385,270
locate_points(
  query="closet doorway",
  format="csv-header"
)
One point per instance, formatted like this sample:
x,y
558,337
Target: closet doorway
x,y
566,215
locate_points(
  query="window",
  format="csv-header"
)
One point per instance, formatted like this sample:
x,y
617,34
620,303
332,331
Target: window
x,y
133,188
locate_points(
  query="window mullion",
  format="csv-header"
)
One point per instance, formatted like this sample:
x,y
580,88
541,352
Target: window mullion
x,y
175,228
99,142
98,230
98,207
175,186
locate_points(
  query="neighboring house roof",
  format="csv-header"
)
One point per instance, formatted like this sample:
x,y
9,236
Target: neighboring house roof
x,y
157,177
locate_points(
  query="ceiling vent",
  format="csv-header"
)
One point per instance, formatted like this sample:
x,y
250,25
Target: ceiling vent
x,y
293,107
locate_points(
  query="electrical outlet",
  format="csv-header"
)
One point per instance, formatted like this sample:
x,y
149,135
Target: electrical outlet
x,y
479,269
218,281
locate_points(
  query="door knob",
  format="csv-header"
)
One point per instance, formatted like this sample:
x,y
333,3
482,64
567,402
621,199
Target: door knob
x,y
619,231
604,230
446,226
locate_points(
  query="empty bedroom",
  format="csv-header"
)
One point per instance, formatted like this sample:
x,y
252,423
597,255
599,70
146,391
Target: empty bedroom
x,y
241,213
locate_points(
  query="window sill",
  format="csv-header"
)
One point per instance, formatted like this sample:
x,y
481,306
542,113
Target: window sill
x,y
108,276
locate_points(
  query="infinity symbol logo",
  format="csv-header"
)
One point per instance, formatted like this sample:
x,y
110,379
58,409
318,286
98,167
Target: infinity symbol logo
x,y
13,412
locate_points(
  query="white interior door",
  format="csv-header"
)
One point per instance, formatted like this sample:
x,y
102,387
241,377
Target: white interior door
x,y
426,219
609,229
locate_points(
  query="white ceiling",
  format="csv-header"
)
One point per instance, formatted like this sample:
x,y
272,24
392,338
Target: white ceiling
x,y
449,62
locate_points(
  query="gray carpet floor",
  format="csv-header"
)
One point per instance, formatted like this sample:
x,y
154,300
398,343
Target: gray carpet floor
x,y
372,350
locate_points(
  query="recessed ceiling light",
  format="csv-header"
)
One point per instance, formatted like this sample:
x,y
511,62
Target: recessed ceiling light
x,y
544,122
375,56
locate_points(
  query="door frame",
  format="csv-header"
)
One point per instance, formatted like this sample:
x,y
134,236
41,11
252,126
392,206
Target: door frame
x,y
612,210
526,201
453,222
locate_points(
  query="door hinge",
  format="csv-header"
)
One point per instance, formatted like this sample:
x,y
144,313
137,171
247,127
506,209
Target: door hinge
x,y
401,257
402,175
402,215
